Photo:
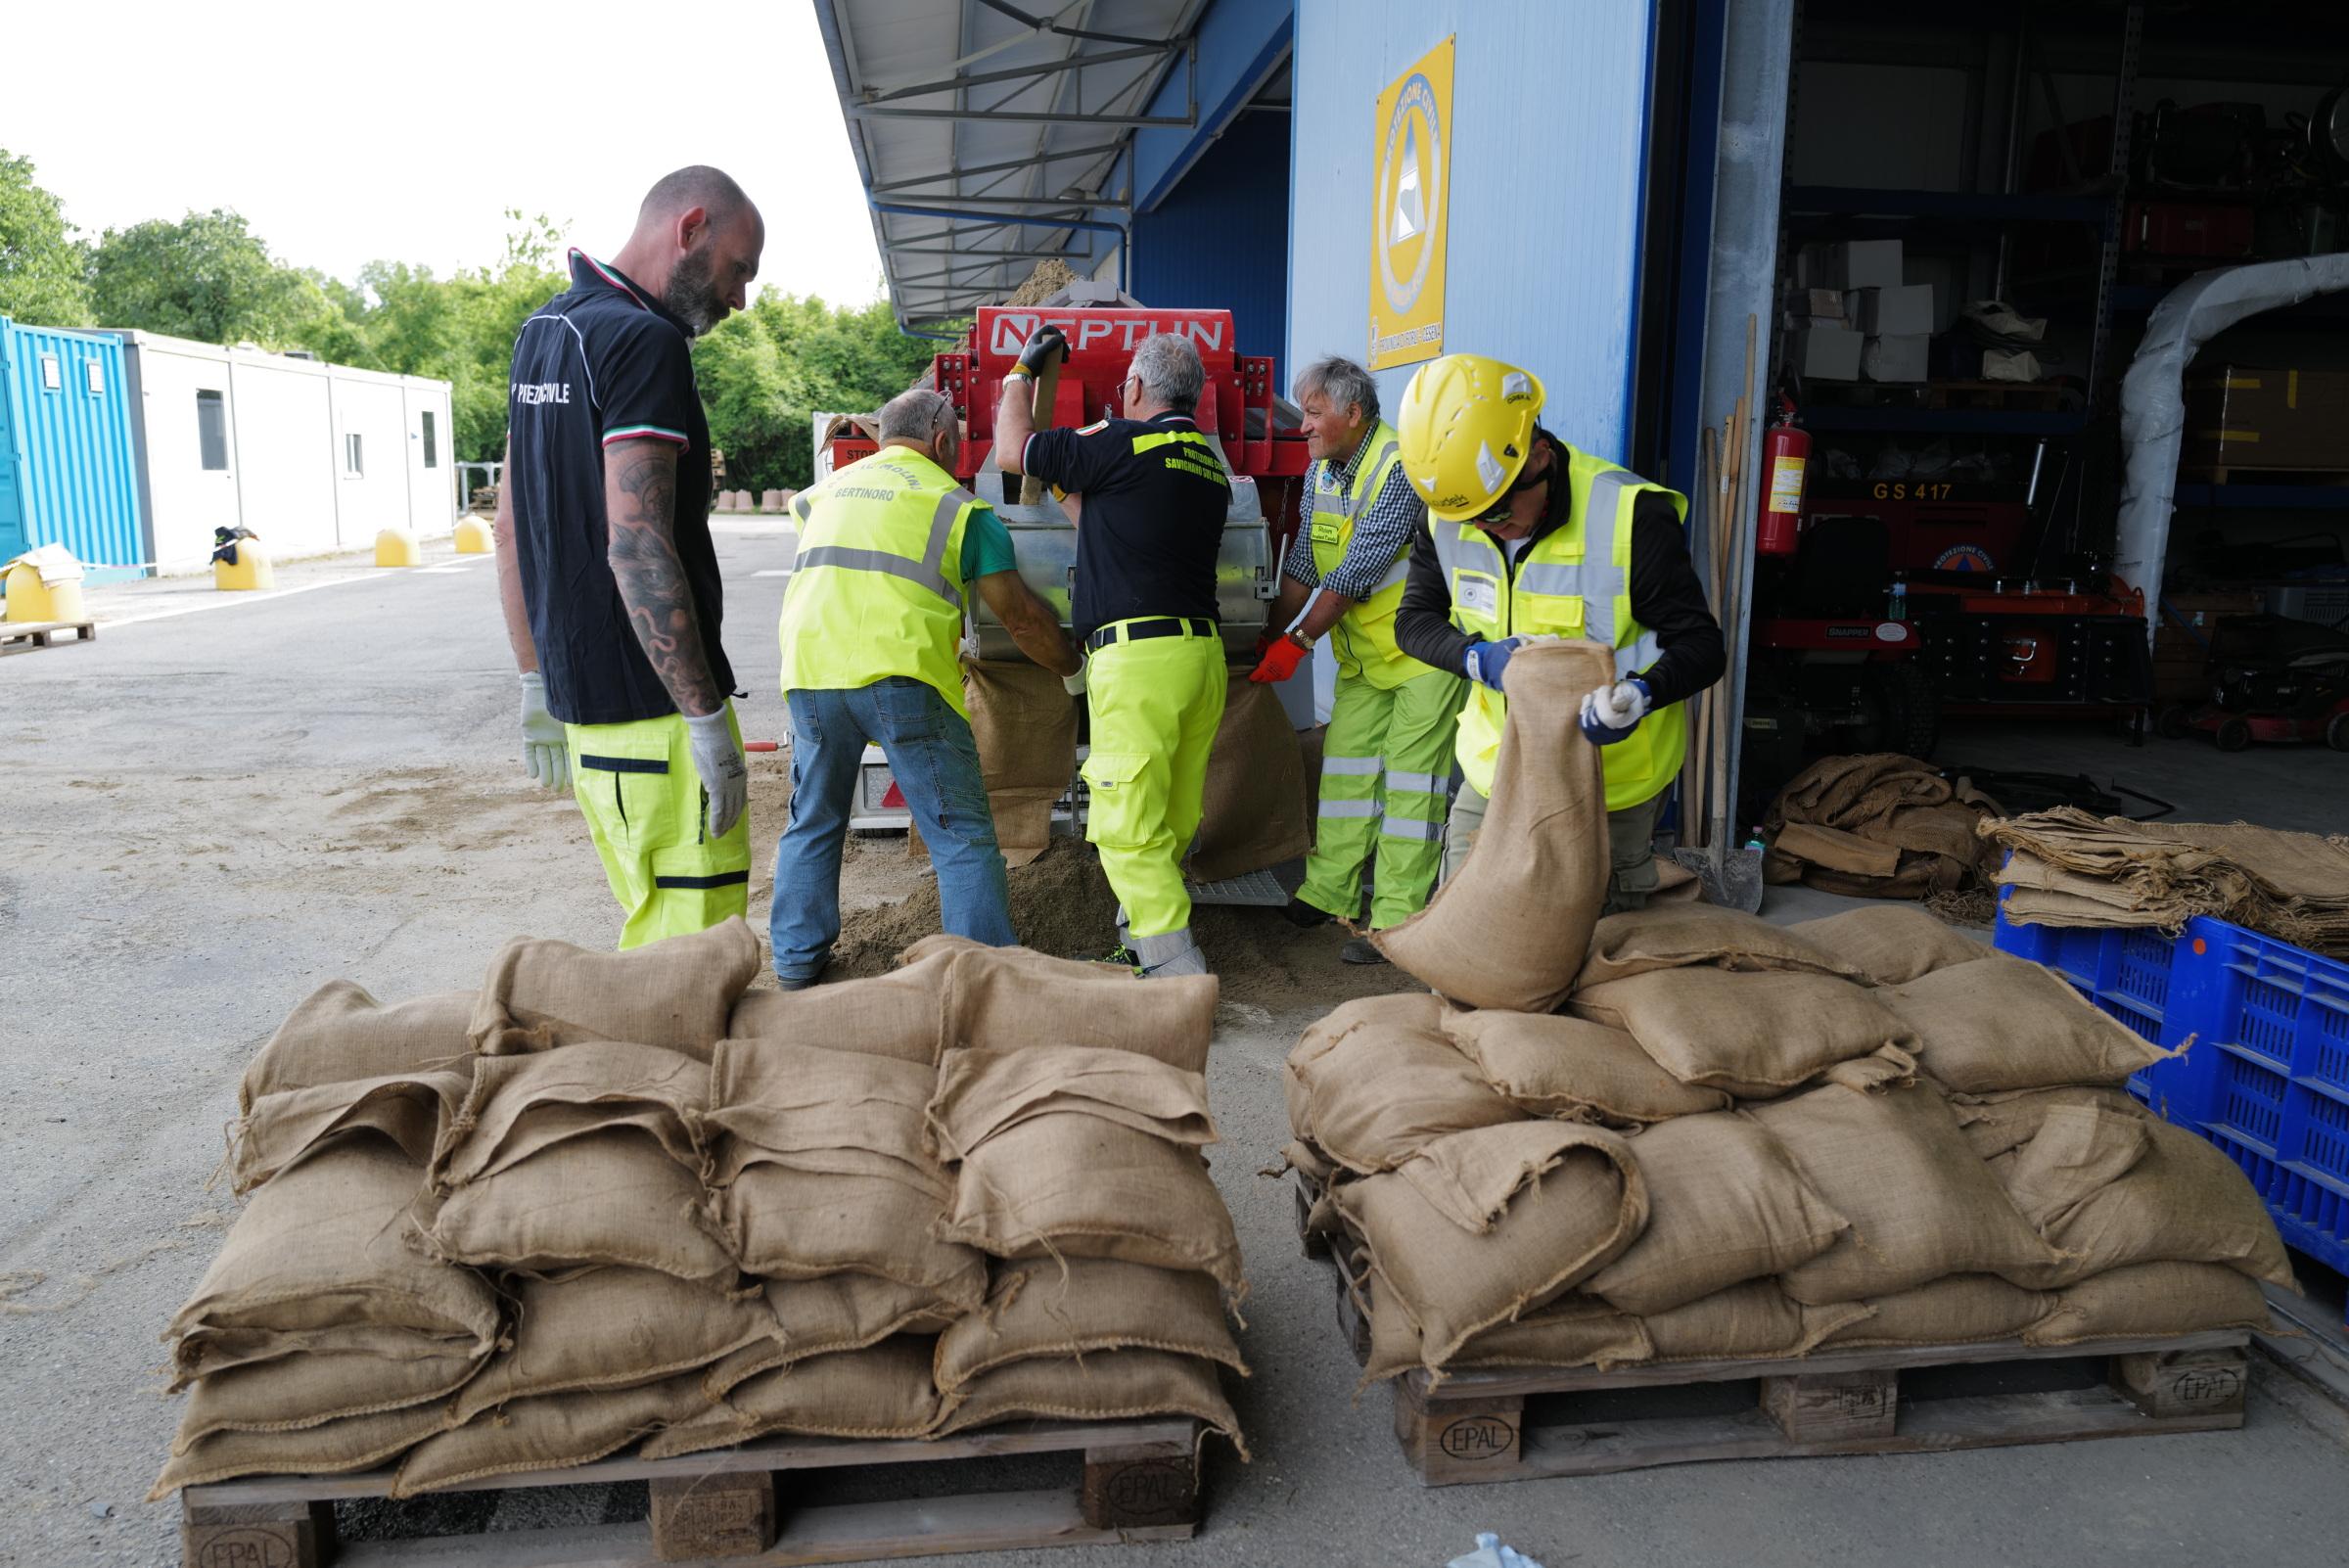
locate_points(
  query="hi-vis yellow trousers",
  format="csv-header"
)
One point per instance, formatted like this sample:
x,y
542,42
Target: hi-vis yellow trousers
x,y
1386,776
1155,706
644,807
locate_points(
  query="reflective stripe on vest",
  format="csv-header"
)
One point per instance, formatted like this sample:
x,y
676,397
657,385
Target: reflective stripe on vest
x,y
1363,639
1552,592
877,590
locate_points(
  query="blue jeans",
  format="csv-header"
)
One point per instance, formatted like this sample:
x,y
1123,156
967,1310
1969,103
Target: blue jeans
x,y
930,750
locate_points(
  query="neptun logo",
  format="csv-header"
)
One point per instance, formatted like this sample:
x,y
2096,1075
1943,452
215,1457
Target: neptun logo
x,y
1105,329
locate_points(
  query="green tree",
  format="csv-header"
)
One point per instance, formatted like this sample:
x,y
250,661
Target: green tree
x,y
41,280
205,277
765,372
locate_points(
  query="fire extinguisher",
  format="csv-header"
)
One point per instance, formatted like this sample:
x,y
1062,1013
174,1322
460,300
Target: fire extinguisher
x,y
1785,456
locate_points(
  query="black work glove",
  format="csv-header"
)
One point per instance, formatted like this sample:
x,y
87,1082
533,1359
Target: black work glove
x,y
1046,346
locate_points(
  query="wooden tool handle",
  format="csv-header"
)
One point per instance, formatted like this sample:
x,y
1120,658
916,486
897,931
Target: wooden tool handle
x,y
1047,387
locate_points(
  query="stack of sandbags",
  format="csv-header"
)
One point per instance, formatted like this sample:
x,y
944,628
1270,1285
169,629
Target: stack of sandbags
x,y
1880,826
1743,1141
2070,868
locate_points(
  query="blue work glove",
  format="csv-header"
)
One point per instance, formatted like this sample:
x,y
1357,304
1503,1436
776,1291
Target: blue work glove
x,y
1487,660
1611,713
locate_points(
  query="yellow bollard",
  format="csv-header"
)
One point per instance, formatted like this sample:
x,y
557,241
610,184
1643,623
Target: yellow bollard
x,y
474,536
398,547
31,599
251,573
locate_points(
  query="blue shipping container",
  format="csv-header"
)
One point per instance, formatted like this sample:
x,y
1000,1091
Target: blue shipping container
x,y
68,472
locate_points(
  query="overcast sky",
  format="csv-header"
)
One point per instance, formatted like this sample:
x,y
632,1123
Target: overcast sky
x,y
348,134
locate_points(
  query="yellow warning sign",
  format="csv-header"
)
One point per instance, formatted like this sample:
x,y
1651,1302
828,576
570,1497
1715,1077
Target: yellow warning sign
x,y
1412,204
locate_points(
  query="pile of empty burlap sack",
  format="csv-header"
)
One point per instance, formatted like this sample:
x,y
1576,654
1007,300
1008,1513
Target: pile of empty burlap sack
x,y
1685,1133
614,1197
2070,868
1881,826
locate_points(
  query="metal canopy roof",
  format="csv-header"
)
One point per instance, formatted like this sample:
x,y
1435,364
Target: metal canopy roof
x,y
990,135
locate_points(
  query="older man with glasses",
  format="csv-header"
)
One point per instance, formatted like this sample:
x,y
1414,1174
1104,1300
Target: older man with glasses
x,y
1529,539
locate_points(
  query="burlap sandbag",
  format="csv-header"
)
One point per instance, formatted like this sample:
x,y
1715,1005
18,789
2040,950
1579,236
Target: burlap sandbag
x,y
1003,998
1561,1201
785,1221
1078,1186
280,1128
984,1093
338,1447
1752,1035
1683,936
1024,726
900,1014
1922,1205
1725,1205
2114,1190
2005,1023
611,1197
612,1328
882,1392
1889,944
846,1311
1252,810
209,1352
340,1031
553,1433
1378,1079
1514,926
1961,1309
296,1392
1080,1306
1998,1124
1113,1386
321,1247
520,1107
834,1112
1753,1321
2153,1301
1574,1069
1572,1331
676,992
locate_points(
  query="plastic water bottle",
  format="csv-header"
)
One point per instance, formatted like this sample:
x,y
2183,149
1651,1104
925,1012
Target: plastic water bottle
x,y
1898,608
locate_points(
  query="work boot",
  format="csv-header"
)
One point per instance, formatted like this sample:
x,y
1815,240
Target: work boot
x,y
1303,915
1360,950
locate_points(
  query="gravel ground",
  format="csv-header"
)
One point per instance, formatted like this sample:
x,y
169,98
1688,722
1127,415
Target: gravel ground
x,y
215,809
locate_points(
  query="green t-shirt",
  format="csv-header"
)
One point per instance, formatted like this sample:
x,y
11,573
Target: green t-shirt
x,y
986,546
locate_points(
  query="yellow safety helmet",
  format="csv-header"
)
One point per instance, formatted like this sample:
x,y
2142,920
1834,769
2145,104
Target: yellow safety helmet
x,y
1466,428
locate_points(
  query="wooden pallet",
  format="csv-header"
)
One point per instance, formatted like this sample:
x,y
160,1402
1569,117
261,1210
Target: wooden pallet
x,y
1139,1483
40,634
1517,1424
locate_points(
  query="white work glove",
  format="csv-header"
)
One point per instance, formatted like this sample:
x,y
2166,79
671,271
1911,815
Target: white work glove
x,y
1074,685
545,745
1612,712
725,776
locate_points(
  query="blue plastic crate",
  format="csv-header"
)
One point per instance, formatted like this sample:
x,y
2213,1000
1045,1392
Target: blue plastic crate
x,y
2268,1077
2124,971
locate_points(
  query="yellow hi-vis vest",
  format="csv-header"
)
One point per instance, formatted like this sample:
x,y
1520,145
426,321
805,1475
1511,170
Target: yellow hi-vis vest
x,y
877,586
1363,639
1574,582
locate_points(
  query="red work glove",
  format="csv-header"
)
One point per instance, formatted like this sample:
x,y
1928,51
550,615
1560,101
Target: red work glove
x,y
1280,660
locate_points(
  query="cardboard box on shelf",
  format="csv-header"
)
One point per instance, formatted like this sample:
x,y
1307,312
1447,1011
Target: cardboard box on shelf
x,y
1885,313
1902,356
1826,351
1820,304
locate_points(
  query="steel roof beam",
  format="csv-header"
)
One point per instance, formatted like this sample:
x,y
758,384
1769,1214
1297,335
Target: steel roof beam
x,y
994,168
957,206
1051,67
1037,116
1042,25
989,255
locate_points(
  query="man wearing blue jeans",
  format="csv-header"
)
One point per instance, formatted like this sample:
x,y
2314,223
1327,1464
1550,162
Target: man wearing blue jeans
x,y
872,625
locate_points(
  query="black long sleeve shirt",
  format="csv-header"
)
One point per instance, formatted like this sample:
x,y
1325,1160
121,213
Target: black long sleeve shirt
x,y
1666,597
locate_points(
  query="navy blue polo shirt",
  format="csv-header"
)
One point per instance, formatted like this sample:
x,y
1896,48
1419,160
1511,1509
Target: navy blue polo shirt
x,y
601,363
1153,516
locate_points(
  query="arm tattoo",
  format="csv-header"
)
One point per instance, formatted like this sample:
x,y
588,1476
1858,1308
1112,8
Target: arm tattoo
x,y
640,495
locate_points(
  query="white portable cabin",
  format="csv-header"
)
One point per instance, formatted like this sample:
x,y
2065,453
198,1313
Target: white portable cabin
x,y
311,457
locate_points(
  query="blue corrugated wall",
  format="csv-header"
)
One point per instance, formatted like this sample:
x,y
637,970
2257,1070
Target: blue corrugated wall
x,y
1550,111
72,478
1220,238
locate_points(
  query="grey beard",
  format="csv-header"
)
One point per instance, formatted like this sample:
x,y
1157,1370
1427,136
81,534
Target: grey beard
x,y
690,295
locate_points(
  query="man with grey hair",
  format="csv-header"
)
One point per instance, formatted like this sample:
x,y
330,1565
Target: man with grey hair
x,y
1386,757
889,547
1149,527
606,570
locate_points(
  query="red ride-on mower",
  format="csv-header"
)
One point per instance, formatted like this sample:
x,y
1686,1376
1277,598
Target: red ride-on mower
x,y
2272,679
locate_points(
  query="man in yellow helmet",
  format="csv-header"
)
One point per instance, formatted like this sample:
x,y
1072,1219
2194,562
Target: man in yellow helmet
x,y
890,550
1527,539
1386,758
